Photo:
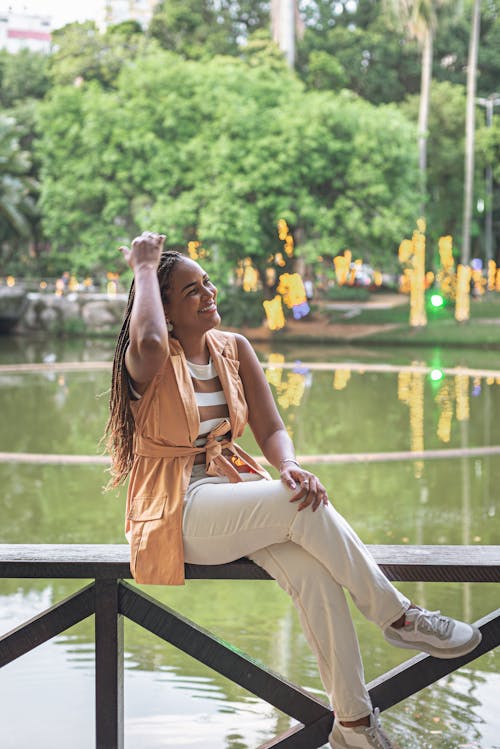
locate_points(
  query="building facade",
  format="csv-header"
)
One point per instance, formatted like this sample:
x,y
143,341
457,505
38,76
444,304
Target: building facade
x,y
24,30
117,11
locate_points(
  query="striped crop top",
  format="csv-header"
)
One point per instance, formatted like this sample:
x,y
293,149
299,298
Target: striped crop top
x,y
210,398
212,404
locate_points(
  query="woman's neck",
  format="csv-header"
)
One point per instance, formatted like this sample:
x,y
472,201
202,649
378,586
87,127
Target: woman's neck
x,y
195,349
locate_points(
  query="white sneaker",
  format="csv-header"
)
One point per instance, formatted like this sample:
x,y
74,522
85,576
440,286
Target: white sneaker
x,y
434,634
361,737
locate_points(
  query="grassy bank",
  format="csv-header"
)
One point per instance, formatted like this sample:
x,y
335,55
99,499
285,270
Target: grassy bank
x,y
483,328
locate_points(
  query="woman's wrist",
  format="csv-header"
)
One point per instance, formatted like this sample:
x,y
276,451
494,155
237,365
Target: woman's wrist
x,y
145,266
288,460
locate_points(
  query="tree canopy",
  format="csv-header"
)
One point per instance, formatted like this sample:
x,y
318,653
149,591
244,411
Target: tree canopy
x,y
218,151
197,127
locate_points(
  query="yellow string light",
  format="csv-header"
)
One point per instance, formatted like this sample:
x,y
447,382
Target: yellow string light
x,y
405,251
342,264
492,272
291,287
462,397
293,390
274,373
341,378
405,282
270,276
250,280
193,250
289,391
462,304
478,281
445,404
411,392
282,229
274,313
286,237
418,317
412,253
445,245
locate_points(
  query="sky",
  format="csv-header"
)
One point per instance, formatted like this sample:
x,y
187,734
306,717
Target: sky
x,y
61,11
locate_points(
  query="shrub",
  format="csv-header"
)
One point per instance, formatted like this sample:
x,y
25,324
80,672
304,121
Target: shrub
x,y
240,308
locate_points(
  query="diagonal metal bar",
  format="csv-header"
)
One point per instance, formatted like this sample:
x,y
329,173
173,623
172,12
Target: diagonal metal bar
x,y
422,670
311,736
46,625
226,660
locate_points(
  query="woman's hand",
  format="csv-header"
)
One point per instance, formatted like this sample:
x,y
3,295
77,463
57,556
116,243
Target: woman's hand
x,y
145,250
309,488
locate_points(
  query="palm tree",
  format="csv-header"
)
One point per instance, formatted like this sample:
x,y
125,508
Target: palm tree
x,y
419,19
286,25
470,129
16,187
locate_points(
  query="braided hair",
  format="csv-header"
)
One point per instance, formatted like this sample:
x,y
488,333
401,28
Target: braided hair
x,y
119,432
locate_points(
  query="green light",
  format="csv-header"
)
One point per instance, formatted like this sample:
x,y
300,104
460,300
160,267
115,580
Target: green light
x,y
436,375
437,300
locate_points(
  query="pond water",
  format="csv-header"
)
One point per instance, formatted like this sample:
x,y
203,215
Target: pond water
x,y
335,402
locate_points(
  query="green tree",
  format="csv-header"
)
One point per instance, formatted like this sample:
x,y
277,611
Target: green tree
x,y
203,28
470,130
452,43
381,63
357,38
17,189
488,151
158,152
83,53
445,166
23,75
419,18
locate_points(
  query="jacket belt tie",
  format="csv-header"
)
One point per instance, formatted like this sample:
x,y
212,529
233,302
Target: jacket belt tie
x,y
216,463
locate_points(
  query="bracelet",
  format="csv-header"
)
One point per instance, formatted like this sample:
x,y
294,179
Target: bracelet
x,y
288,460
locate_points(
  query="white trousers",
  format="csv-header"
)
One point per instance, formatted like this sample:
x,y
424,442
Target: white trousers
x,y
313,556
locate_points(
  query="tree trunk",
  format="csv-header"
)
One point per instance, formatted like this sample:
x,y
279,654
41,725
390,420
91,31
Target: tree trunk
x,y
469,130
283,22
423,114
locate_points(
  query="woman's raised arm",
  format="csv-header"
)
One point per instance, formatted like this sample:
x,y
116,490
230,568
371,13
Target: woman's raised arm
x,y
148,345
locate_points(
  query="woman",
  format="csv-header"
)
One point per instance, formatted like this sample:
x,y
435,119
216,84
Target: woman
x,y
182,393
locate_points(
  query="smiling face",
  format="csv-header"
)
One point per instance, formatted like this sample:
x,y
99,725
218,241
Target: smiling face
x,y
191,299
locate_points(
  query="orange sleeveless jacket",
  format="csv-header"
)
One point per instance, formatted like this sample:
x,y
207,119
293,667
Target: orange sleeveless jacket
x,y
166,427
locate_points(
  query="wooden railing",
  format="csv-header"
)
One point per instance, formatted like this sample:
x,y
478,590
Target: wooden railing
x,y
109,598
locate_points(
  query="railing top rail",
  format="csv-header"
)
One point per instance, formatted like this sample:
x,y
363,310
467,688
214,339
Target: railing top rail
x,y
424,563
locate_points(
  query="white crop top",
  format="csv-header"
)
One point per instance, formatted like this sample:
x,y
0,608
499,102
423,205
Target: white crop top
x,y
210,398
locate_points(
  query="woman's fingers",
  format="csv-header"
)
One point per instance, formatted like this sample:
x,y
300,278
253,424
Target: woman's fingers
x,y
310,488
125,252
311,491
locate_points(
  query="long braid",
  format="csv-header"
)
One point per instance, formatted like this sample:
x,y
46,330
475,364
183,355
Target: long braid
x,y
120,429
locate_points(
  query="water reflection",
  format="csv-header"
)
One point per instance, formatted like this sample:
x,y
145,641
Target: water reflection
x,y
350,409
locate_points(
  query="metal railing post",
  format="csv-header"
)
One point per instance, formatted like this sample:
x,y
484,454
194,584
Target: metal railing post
x,y
108,666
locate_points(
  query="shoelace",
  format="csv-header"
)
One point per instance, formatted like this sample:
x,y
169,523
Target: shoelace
x,y
376,733
431,622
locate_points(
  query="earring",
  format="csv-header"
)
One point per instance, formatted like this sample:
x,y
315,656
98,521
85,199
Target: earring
x,y
170,327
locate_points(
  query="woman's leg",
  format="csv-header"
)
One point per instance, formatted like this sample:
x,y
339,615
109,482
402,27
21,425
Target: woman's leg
x,y
225,521
326,622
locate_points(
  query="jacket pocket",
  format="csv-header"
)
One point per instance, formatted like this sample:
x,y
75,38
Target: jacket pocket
x,y
145,508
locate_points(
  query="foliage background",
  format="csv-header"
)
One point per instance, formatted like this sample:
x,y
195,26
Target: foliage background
x,y
197,127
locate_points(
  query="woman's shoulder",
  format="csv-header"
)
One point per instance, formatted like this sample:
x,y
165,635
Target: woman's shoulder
x,y
227,342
